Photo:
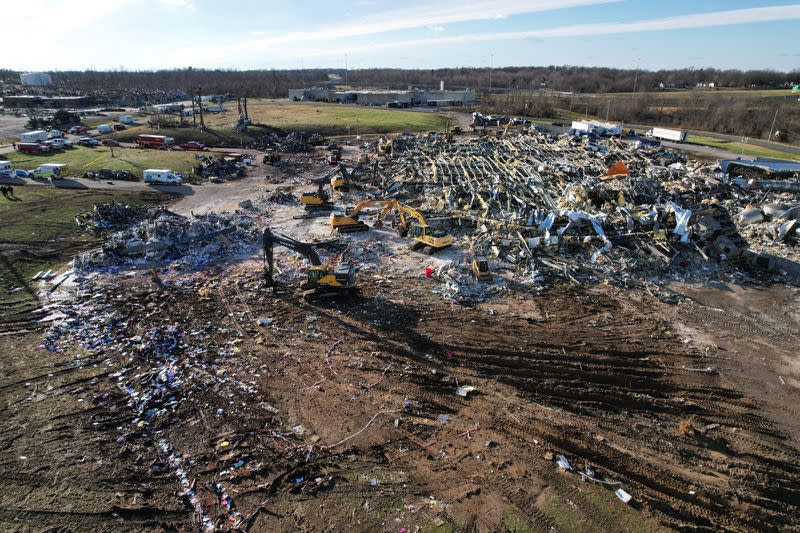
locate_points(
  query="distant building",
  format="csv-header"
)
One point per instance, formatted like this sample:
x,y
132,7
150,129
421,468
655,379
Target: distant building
x,y
36,79
49,102
386,98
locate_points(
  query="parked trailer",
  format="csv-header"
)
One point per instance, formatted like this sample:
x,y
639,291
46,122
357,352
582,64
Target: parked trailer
x,y
165,176
104,128
33,136
126,119
668,135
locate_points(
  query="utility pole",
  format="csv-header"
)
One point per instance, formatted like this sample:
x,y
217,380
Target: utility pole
x,y
635,79
772,128
200,106
345,69
608,109
491,66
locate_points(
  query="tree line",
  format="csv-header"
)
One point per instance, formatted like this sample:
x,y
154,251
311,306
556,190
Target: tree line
x,y
276,83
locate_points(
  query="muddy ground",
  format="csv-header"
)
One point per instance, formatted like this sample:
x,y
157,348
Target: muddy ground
x,y
165,405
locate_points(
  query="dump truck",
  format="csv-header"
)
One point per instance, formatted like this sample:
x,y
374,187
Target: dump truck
x,y
665,134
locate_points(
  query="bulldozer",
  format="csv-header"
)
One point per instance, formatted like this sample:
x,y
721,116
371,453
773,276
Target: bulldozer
x,y
348,221
320,282
412,222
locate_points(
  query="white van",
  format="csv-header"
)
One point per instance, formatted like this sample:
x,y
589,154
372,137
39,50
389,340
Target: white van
x,y
125,119
6,169
154,175
104,128
49,170
55,134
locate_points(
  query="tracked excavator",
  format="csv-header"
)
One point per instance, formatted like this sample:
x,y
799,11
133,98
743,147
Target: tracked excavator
x,y
341,182
349,222
320,281
412,222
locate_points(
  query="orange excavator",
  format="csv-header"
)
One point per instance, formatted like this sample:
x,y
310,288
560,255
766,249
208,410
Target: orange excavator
x,y
349,222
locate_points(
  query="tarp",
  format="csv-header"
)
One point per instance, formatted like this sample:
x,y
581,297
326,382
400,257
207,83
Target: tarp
x,y
617,170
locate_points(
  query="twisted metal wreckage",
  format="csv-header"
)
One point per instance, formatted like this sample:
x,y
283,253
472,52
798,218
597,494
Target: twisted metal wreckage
x,y
545,197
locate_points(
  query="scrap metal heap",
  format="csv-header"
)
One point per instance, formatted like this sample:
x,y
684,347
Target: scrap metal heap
x,y
541,201
191,242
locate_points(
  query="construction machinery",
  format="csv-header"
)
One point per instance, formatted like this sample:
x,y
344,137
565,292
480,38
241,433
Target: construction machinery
x,y
348,221
341,182
319,200
320,282
480,268
412,222
271,157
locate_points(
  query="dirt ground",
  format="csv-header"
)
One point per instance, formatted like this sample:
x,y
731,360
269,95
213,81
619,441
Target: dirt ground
x,y
200,400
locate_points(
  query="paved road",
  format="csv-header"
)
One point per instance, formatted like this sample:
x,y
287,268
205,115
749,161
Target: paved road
x,y
83,183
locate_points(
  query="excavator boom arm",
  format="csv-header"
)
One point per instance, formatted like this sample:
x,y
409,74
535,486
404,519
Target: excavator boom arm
x,y
270,240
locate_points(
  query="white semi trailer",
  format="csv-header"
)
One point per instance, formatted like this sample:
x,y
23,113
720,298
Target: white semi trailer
x,y
665,134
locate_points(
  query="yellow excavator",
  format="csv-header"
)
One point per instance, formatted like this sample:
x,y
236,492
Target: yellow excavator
x,y
341,181
348,221
480,268
320,200
320,282
412,222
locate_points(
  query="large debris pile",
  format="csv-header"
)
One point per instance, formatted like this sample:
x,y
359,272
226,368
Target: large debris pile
x,y
543,202
108,174
114,216
223,167
294,142
188,242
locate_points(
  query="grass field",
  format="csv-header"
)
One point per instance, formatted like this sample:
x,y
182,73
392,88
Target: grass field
x,y
81,159
39,233
704,93
326,119
742,148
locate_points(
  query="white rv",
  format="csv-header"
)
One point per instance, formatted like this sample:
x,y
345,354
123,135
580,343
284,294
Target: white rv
x,y
164,176
6,169
126,119
33,136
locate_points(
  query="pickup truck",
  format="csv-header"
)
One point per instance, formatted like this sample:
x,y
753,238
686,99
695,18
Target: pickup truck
x,y
193,145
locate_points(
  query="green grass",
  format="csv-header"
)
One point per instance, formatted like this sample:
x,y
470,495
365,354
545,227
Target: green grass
x,y
315,117
742,148
40,233
81,159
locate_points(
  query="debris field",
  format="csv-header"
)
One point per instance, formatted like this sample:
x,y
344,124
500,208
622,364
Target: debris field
x,y
630,366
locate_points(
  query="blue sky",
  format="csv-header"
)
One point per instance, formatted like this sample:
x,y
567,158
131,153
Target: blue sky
x,y
649,34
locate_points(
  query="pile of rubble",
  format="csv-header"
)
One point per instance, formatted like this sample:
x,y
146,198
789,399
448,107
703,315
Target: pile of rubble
x,y
223,167
107,174
186,242
114,216
538,202
294,142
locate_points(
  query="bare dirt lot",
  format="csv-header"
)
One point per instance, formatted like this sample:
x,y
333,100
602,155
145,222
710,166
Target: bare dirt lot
x,y
346,414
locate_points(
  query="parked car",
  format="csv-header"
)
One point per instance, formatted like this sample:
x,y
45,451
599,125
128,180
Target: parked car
x,y
193,145
75,130
120,127
88,141
109,142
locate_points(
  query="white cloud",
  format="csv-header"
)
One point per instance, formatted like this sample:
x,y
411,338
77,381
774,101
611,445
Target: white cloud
x,y
436,29
182,4
445,12
680,22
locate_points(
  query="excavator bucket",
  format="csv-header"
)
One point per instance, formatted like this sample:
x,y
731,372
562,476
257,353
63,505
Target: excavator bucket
x,y
617,170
